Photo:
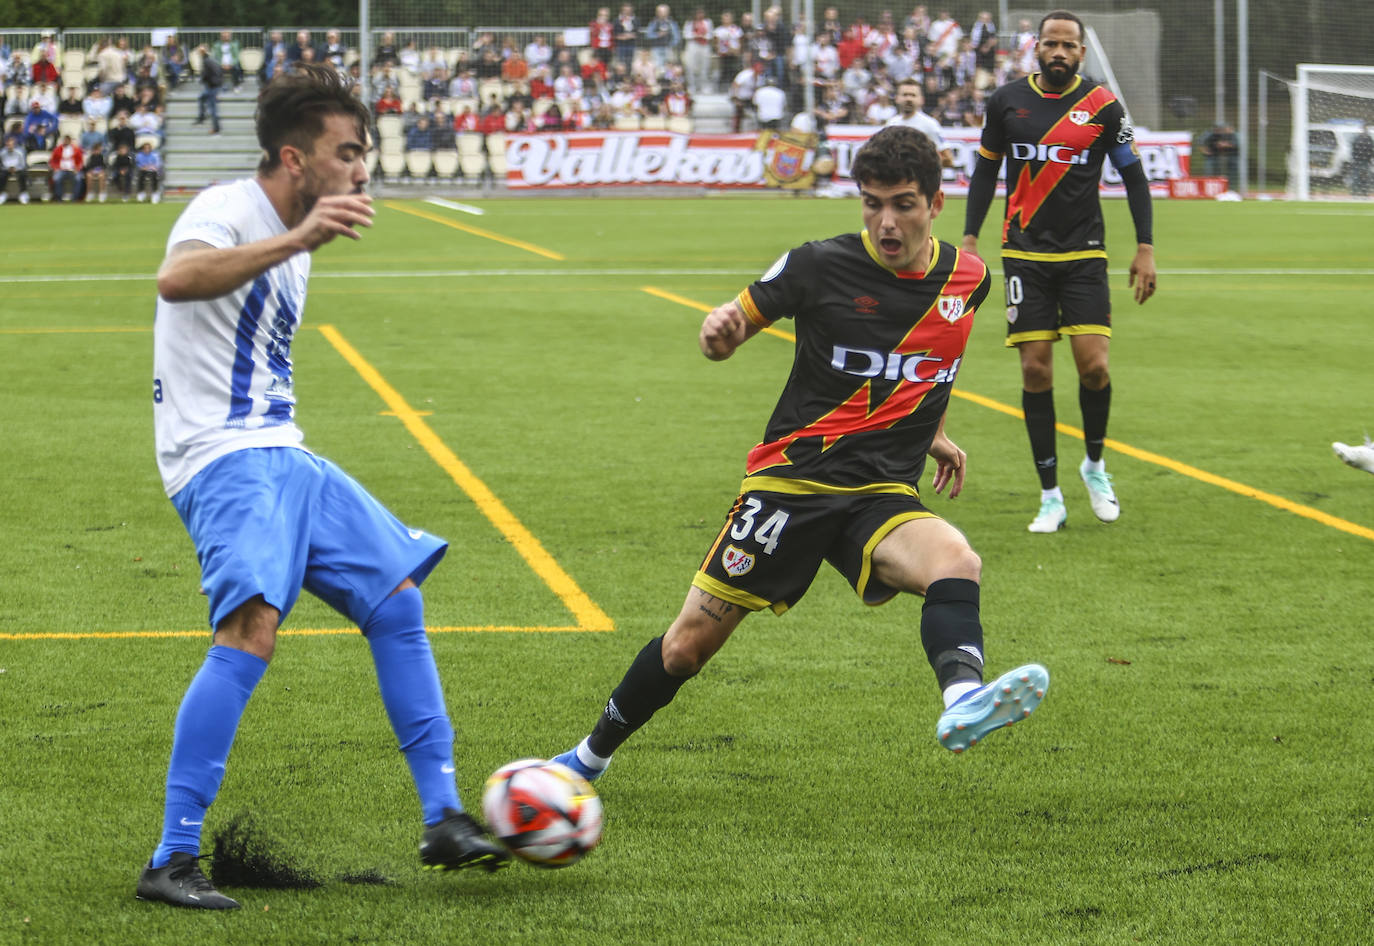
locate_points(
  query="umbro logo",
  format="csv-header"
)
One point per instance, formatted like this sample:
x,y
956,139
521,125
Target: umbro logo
x,y
866,304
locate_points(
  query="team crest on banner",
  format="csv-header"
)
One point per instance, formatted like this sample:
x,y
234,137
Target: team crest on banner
x,y
951,308
787,158
736,561
1079,116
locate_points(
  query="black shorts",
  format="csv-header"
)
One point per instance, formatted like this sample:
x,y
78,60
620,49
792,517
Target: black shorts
x,y
772,545
1046,300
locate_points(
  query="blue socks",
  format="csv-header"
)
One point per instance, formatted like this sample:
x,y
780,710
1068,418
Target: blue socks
x,y
414,700
205,727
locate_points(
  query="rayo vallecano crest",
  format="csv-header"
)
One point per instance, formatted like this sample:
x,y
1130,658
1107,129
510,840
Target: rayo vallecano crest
x,y
951,308
736,560
1080,116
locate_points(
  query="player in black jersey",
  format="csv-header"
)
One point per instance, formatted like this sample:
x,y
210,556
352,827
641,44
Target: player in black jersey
x,y
1054,129
882,318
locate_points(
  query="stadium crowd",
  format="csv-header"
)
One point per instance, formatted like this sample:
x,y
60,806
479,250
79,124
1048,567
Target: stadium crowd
x,y
640,67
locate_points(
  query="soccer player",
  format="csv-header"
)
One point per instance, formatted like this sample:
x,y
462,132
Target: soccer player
x,y
266,515
882,318
1054,128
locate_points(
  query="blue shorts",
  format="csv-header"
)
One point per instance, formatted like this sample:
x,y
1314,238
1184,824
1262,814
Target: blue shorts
x,y
269,521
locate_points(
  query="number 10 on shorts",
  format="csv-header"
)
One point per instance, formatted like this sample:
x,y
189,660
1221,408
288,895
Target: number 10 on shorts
x,y
768,533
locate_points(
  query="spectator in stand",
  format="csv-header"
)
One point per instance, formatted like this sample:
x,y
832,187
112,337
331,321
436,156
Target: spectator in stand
x,y
644,71
696,51
944,36
742,89
410,57
39,127
463,85
441,127
435,85
832,109
880,111
95,172
919,20
662,36
538,53
173,62
540,85
431,62
517,117
72,105
46,48
386,81
148,59
765,47
96,105
151,99
225,51
983,37
146,121
46,94
334,51
145,82
677,102
14,163
66,162
389,102
296,51
488,65
274,54
965,65
567,90
493,118
121,100
387,52
17,70
601,36
121,169
44,69
120,134
420,137
626,34
211,80
770,104
91,135
728,45
1023,59
514,68
148,163
410,117
465,121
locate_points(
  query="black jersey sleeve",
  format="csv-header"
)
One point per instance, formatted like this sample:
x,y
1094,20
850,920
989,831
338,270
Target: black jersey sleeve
x,y
783,289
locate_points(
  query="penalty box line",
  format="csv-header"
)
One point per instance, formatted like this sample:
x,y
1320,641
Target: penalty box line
x,y
1240,489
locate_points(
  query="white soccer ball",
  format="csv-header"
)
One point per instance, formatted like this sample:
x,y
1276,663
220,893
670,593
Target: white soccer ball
x,y
544,812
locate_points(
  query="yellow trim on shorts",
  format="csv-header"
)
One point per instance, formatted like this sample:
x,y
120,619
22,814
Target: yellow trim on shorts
x,y
866,570
796,487
734,595
1050,335
1054,257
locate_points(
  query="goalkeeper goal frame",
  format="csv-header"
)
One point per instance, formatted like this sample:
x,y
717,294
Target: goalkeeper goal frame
x,y
1316,77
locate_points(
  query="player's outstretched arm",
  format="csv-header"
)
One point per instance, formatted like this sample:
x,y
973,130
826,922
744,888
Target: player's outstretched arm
x,y
951,463
194,270
725,329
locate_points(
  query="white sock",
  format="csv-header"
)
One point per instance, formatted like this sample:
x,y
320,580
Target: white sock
x,y
1051,494
1094,466
589,758
956,690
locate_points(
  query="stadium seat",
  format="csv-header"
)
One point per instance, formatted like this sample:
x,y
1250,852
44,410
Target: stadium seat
x,y
73,61
250,58
446,162
371,161
626,121
141,140
680,124
193,59
496,153
456,106
473,165
393,165
392,144
418,163
38,159
67,125
469,143
350,57
390,126
655,123
454,56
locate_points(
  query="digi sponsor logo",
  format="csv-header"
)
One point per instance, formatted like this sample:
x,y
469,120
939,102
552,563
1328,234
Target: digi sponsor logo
x,y
1048,154
737,562
915,367
866,304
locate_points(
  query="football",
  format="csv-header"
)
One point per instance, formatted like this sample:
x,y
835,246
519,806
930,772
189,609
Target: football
x,y
543,812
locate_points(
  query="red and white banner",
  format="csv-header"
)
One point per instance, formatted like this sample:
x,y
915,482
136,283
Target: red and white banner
x,y
584,159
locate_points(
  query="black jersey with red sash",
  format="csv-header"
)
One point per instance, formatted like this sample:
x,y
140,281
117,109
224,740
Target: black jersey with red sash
x,y
1054,144
876,355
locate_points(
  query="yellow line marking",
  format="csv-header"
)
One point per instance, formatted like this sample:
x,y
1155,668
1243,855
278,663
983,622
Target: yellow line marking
x,y
476,231
589,617
1287,505
394,414
285,632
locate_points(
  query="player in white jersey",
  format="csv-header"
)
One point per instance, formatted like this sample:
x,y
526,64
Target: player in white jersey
x,y
909,100
267,516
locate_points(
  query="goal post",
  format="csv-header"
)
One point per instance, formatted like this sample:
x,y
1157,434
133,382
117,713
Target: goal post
x,y
1332,106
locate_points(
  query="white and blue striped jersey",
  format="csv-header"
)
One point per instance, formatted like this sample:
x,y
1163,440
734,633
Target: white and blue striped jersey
x,y
222,367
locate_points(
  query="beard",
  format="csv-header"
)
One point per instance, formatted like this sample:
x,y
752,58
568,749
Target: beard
x,y
1058,73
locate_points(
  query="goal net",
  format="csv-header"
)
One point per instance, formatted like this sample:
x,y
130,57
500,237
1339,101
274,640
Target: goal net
x,y
1333,108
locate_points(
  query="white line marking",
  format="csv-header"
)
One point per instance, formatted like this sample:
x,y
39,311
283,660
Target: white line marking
x,y
454,205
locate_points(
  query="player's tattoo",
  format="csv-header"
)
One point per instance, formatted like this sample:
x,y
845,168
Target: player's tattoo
x,y
714,607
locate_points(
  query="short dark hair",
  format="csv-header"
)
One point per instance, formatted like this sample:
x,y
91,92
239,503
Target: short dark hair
x,y
1062,15
898,154
292,108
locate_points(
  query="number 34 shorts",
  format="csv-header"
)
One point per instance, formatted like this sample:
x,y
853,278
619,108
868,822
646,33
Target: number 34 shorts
x,y
773,544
